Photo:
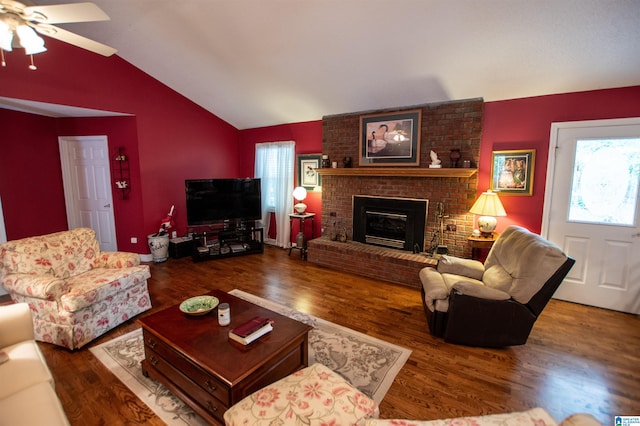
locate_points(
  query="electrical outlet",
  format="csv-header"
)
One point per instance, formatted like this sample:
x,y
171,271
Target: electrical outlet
x,y
134,240
451,227
332,214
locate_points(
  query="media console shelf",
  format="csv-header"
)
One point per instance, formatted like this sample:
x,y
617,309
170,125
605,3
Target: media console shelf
x,y
218,243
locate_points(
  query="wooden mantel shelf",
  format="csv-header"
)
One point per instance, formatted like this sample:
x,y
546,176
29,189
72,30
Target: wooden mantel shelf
x,y
398,172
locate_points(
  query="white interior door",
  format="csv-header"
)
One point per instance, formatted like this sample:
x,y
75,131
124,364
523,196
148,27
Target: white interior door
x,y
592,211
87,186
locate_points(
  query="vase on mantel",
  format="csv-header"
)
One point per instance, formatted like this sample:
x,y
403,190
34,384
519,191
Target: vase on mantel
x,y
454,155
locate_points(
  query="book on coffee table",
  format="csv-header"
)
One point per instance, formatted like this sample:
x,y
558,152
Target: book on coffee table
x,y
249,331
256,334
248,327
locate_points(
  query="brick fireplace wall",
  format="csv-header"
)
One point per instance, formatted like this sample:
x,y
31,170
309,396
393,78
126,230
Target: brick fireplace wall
x,y
445,126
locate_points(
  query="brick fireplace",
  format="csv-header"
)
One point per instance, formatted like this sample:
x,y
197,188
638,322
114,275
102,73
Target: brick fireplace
x,y
445,126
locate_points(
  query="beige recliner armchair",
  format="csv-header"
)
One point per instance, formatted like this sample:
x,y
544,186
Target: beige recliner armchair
x,y
494,304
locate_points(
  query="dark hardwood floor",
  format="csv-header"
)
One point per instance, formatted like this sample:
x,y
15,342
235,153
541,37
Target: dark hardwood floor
x,y
578,358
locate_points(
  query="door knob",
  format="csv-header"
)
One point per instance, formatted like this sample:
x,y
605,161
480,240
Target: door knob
x,y
107,206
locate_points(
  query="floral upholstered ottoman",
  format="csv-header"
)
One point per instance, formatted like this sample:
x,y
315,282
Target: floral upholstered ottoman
x,y
312,396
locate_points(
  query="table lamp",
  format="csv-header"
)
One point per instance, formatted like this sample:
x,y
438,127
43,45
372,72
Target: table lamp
x,y
300,194
488,206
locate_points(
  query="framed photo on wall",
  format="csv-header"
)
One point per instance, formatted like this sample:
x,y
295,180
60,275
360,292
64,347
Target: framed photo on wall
x,y
512,171
390,139
307,173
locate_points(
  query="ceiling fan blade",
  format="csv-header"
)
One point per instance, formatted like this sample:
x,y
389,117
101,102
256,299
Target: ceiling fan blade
x,y
65,13
75,39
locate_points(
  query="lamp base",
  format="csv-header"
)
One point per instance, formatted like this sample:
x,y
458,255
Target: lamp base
x,y
486,225
300,208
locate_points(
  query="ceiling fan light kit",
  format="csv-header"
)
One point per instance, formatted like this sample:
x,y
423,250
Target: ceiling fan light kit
x,y
20,25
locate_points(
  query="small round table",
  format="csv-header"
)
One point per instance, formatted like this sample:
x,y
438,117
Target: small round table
x,y
479,244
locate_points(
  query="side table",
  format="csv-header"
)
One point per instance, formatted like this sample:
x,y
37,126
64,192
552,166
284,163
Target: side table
x,y
479,243
301,218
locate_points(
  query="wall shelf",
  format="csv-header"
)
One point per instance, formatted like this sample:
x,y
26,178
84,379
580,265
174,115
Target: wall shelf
x,y
399,172
121,175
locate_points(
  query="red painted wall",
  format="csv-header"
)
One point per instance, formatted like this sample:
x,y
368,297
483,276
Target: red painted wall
x,y
121,132
30,175
176,139
526,124
308,139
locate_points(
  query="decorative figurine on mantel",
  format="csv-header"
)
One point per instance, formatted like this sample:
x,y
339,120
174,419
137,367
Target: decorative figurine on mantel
x,y
435,161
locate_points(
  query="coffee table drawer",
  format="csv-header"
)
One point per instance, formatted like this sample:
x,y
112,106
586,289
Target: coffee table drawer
x,y
292,359
212,405
207,382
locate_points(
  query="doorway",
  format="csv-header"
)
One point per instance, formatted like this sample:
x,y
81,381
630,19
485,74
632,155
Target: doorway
x,y
3,239
87,186
592,211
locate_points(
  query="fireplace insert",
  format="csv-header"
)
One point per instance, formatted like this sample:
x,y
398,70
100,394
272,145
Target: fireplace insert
x,y
397,223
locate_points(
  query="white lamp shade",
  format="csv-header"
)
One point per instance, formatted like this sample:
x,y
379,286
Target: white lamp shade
x,y
488,206
6,37
30,40
300,193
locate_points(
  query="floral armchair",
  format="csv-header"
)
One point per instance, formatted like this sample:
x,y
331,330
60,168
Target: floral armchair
x,y
75,291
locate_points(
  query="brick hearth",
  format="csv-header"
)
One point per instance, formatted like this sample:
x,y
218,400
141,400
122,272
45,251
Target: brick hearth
x,y
445,126
396,266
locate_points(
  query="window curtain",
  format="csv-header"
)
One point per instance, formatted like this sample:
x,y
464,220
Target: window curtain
x,y
275,162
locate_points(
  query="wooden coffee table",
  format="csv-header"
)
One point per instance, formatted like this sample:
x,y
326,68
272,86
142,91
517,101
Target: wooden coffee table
x,y
194,358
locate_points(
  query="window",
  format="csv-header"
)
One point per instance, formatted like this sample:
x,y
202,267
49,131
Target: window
x,y
605,184
274,166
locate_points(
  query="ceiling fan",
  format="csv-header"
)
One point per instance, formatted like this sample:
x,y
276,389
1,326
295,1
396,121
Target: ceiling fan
x,y
19,24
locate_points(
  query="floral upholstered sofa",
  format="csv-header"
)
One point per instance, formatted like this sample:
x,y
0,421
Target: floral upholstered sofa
x,y
75,292
318,396
532,417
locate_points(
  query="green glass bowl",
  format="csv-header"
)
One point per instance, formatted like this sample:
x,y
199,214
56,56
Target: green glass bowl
x,y
199,305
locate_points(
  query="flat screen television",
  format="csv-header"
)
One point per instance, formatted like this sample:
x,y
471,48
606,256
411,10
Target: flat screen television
x,y
211,201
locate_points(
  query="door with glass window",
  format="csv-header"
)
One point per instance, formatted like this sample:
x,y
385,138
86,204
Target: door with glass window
x,y
592,210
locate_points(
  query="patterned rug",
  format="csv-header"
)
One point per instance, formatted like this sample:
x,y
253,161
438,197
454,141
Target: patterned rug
x,y
368,363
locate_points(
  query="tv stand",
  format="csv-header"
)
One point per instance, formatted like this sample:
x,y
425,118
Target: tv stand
x,y
227,240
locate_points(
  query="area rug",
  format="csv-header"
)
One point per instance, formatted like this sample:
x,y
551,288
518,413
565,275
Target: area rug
x,y
370,364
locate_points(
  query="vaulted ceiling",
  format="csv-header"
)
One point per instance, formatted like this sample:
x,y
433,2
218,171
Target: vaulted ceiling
x,y
256,63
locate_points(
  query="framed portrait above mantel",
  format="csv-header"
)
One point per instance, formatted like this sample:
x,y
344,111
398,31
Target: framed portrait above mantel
x,y
512,171
390,139
307,171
